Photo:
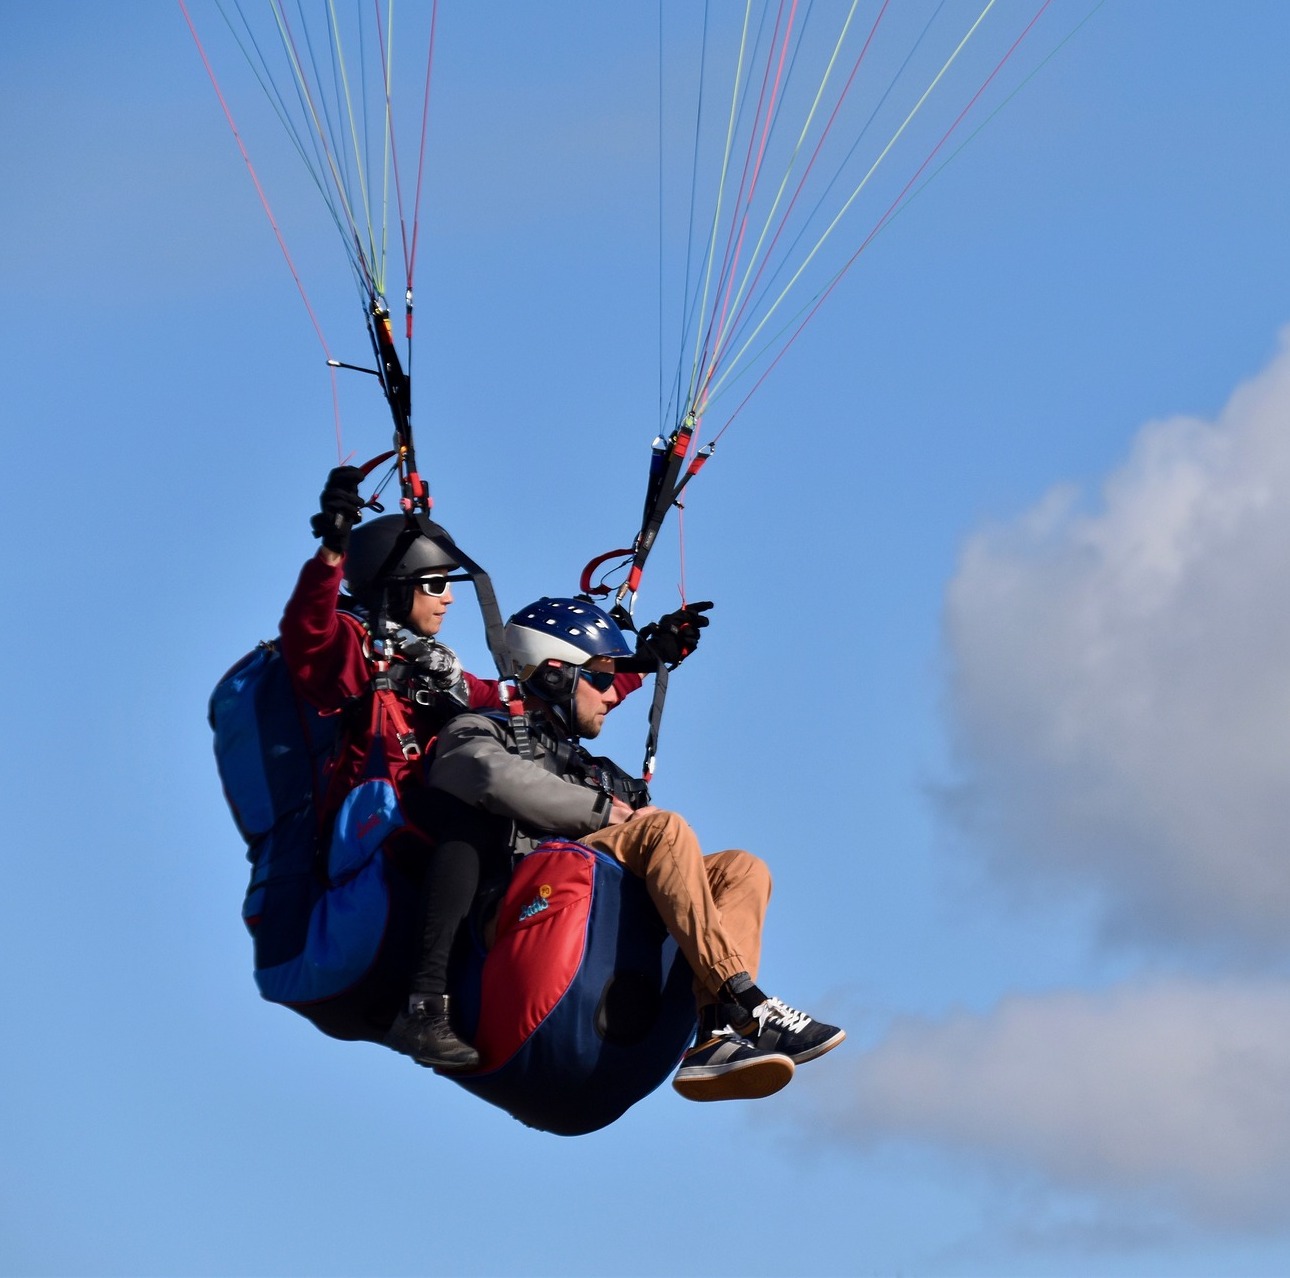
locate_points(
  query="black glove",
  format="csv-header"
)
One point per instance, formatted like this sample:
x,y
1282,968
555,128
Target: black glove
x,y
672,638
340,508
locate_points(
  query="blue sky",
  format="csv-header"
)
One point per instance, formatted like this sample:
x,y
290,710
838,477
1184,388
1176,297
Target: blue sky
x,y
996,681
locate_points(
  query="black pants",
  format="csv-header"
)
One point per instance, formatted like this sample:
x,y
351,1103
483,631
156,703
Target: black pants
x,y
470,849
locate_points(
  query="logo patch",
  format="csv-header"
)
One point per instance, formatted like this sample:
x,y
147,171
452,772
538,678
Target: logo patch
x,y
536,905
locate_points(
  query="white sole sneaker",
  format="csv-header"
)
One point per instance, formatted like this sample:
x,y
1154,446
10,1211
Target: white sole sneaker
x,y
727,1067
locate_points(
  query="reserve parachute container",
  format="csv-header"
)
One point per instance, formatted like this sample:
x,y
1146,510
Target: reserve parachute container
x,y
583,1004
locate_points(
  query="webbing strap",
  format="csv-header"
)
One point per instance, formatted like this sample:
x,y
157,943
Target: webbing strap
x,y
494,627
661,492
385,699
519,718
655,720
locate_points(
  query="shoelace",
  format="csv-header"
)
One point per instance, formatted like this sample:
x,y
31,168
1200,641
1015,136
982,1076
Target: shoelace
x,y
721,1031
781,1016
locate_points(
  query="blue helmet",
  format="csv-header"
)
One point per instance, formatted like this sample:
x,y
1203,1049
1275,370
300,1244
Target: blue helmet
x,y
551,640
568,631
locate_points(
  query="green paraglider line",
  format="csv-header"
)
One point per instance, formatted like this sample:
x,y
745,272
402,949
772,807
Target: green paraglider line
x,y
716,385
705,391
748,288
962,146
336,144
893,209
713,339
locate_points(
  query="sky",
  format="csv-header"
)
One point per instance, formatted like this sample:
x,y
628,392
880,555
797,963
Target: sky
x,y
997,679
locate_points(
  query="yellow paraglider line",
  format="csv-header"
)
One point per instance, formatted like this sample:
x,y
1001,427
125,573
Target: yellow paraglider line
x,y
753,270
712,384
375,257
899,204
721,189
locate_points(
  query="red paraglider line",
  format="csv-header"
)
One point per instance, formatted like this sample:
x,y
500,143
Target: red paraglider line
x,y
389,117
886,217
680,550
332,156
421,151
273,222
747,188
409,249
751,292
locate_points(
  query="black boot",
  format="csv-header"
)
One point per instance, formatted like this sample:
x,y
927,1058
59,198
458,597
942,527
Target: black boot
x,y
425,1033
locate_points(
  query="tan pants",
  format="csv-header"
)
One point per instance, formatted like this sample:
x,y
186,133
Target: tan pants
x,y
714,906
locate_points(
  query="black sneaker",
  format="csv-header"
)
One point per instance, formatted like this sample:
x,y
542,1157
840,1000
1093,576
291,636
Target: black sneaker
x,y
727,1066
426,1035
776,1027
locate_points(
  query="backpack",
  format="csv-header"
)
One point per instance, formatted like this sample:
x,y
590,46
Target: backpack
x,y
331,924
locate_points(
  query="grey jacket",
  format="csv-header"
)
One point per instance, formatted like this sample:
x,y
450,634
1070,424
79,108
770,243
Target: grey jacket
x,y
476,762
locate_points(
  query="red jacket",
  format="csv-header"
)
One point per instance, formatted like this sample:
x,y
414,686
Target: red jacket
x,y
323,649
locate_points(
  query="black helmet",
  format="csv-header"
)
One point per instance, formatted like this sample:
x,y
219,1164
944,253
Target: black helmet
x,y
389,550
385,558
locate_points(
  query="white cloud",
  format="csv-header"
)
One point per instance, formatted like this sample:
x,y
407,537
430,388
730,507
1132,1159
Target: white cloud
x,y
1120,682
1119,704
1171,1094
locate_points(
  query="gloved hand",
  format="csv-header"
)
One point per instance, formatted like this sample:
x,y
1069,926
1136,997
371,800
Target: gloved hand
x,y
340,508
673,637
441,665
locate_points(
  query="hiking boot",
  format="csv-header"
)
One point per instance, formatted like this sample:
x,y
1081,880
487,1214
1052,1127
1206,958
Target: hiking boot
x,y
425,1034
726,1066
773,1026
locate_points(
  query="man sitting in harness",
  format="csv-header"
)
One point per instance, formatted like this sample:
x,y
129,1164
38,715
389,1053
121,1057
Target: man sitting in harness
x,y
713,906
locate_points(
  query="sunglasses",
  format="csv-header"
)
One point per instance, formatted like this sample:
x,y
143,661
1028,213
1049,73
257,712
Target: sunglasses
x,y
601,680
432,585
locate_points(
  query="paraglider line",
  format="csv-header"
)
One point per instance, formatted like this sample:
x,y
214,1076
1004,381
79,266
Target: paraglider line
x,y
748,289
421,150
747,188
273,222
967,141
887,216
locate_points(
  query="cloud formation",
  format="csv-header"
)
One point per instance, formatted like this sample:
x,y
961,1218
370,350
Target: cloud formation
x,y
1119,692
1119,707
1174,1094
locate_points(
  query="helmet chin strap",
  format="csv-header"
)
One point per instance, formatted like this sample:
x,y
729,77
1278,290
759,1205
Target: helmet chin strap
x,y
562,715
398,601
385,611
555,685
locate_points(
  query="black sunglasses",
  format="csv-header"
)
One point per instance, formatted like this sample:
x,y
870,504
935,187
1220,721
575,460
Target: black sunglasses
x,y
601,680
432,585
